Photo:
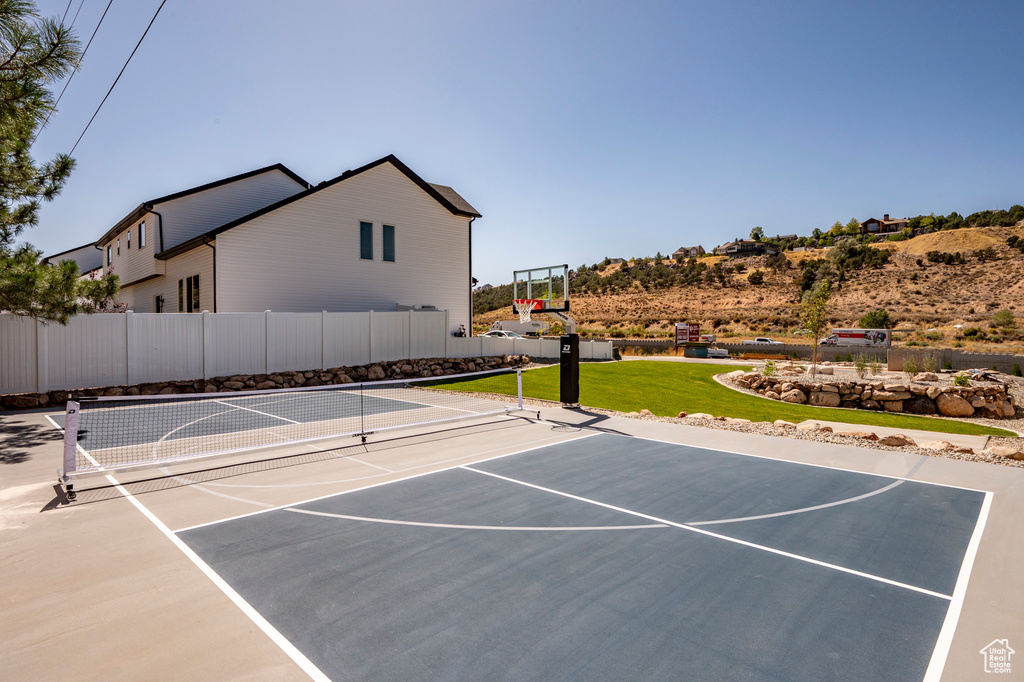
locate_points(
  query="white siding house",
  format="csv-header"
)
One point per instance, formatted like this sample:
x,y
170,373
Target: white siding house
x,y
131,248
375,238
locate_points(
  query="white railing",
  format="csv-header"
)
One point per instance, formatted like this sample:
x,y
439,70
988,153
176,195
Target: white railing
x,y
124,349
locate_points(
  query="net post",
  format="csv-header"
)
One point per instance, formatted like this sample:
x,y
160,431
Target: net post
x,y
519,385
70,446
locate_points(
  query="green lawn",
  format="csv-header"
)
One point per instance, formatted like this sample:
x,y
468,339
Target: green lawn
x,y
668,388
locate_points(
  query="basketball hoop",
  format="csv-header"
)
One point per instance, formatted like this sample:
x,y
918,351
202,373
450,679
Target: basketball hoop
x,y
524,306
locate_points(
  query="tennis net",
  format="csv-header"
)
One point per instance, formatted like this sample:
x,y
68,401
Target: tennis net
x,y
110,434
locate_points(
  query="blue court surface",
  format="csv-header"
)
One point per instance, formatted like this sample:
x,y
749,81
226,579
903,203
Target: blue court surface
x,y
608,558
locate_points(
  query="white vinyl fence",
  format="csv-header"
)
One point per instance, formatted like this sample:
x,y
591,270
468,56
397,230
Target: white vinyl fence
x,y
125,349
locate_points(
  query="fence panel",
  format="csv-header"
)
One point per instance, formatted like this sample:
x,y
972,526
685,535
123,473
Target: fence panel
x,y
236,343
389,335
294,341
427,331
347,339
18,357
91,351
465,347
164,347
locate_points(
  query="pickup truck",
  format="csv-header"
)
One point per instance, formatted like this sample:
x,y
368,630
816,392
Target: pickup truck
x,y
763,341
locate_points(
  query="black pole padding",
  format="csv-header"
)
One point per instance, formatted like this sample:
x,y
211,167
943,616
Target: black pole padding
x,y
569,365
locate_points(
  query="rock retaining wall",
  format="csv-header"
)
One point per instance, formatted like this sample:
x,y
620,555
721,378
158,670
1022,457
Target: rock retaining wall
x,y
399,369
917,397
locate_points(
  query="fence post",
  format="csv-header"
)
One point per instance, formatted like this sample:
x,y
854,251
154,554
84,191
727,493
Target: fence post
x,y
323,340
129,354
447,333
370,334
206,344
266,344
42,374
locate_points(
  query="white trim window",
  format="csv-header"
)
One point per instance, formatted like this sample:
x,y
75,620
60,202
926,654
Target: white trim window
x,y
142,234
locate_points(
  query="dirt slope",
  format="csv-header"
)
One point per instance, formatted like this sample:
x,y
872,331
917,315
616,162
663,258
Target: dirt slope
x,y
920,297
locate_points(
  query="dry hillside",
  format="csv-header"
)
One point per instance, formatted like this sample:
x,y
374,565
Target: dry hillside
x,y
927,298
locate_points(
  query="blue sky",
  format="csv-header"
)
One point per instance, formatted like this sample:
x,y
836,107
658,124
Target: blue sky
x,y
579,129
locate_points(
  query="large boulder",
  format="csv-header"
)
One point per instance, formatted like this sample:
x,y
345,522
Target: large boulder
x,y
783,424
795,396
953,406
1003,451
869,405
891,395
824,399
893,405
919,404
897,440
933,392
375,373
926,376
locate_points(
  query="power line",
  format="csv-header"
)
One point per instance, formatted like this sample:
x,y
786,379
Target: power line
x,y
75,70
118,77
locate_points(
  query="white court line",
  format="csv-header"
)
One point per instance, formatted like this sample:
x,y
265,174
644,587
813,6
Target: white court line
x,y
701,531
456,526
249,409
262,623
544,442
956,605
799,511
375,466
808,464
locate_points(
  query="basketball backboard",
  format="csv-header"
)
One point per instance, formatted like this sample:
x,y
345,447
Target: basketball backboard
x,y
548,285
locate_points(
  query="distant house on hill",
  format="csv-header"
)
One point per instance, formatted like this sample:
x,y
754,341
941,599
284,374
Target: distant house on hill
x,y
883,226
688,252
746,247
613,261
787,237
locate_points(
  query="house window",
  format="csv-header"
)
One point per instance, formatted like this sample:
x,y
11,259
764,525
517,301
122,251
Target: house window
x,y
158,303
109,256
389,243
366,241
128,240
142,234
188,294
119,247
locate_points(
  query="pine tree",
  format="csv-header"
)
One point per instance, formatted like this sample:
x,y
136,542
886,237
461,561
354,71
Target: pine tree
x,y
34,53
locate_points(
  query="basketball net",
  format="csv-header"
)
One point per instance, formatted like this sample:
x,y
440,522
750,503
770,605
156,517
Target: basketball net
x,y
524,308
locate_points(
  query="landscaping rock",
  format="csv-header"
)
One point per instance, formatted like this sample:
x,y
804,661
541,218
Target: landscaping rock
x,y
933,392
893,405
864,435
953,406
1003,451
783,424
794,396
646,413
824,399
897,440
925,376
869,405
681,415
919,405
938,445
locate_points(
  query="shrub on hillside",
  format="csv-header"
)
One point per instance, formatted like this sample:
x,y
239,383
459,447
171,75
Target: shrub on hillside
x,y
876,319
756,277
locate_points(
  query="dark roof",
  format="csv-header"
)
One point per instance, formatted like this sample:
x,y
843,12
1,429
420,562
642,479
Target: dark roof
x,y
146,206
46,259
445,196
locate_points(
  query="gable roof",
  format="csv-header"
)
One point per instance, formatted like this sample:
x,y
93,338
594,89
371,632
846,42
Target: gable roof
x,y
46,259
147,206
446,196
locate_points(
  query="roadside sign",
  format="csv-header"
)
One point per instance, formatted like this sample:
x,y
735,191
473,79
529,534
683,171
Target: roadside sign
x,y
687,332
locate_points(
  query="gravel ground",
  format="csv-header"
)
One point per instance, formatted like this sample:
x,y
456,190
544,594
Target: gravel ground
x,y
1016,388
